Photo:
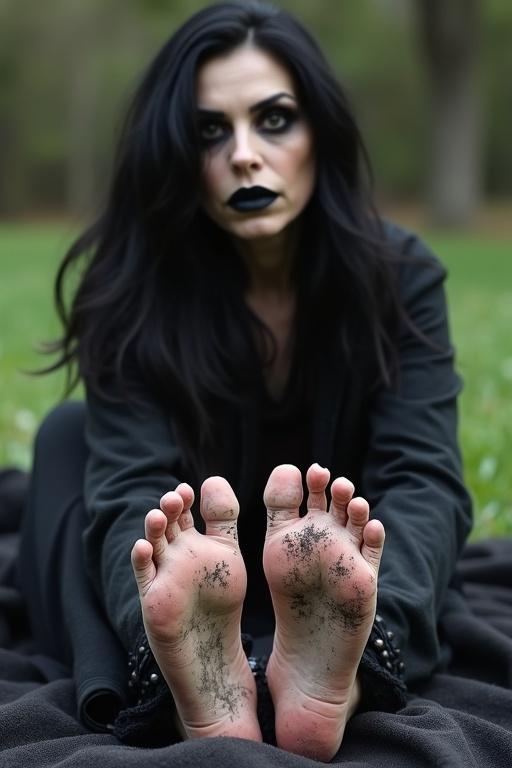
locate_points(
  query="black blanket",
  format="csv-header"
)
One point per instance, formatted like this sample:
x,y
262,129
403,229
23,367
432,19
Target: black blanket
x,y
460,717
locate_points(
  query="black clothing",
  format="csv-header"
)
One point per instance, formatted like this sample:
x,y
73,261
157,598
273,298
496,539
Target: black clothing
x,y
461,718
283,438
67,619
398,447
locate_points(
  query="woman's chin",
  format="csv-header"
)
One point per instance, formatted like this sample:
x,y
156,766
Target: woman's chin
x,y
263,228
257,229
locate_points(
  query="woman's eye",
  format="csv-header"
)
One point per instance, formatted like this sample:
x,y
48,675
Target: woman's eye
x,y
211,132
277,120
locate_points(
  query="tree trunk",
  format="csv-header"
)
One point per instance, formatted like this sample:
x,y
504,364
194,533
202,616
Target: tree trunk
x,y
449,31
83,104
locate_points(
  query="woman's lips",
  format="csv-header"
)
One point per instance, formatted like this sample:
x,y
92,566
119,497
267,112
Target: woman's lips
x,y
251,199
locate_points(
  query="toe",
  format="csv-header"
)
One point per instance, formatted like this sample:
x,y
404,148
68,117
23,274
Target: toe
x,y
171,505
219,507
186,519
283,494
155,525
317,478
342,491
373,543
143,566
358,513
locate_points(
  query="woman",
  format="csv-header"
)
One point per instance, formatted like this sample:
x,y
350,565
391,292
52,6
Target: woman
x,y
244,314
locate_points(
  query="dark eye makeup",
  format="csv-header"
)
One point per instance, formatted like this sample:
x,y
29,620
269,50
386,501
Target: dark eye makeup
x,y
211,131
274,120
278,119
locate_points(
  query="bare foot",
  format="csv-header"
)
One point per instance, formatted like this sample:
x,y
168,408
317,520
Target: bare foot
x,y
191,588
322,573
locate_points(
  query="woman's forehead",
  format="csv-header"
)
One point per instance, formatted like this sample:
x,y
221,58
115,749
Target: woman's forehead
x,y
241,79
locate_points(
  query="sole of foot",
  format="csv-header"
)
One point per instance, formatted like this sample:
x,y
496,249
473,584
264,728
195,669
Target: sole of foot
x,y
322,572
191,589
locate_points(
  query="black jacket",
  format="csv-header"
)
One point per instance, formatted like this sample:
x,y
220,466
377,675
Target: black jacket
x,y
399,447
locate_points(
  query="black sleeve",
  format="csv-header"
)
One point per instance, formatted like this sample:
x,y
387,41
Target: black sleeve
x,y
412,478
133,461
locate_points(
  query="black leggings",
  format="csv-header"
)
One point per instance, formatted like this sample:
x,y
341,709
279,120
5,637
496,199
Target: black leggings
x,y
67,620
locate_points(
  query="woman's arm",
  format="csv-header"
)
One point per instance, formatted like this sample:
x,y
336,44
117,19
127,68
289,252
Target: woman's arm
x,y
412,473
133,461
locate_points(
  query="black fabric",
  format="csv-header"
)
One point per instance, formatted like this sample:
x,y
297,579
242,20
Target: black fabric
x,y
14,484
460,718
399,447
67,620
283,436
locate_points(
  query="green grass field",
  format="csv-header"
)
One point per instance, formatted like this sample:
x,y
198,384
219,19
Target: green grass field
x,y
480,295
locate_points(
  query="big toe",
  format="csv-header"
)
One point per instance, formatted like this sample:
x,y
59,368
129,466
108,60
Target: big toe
x,y
317,478
283,494
218,502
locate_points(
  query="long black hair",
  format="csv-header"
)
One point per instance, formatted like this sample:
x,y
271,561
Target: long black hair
x,y
161,297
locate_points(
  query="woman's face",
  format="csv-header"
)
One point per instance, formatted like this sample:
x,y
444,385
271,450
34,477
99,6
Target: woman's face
x,y
259,164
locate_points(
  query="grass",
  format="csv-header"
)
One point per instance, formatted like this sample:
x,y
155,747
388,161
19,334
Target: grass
x,y
480,295
29,255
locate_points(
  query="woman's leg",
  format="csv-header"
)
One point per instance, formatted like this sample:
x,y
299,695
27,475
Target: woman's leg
x,y
55,490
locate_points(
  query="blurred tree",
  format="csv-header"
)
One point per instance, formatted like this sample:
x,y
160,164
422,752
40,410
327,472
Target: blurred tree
x,y
497,31
368,43
12,187
450,31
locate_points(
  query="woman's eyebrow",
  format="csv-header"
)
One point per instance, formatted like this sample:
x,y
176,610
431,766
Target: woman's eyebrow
x,y
271,99
253,108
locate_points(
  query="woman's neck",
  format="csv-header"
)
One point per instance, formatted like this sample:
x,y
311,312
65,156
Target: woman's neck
x,y
269,265
271,296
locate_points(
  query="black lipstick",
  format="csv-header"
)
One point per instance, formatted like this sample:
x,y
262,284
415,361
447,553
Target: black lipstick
x,y
251,199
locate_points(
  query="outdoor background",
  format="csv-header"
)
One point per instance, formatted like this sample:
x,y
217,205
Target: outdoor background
x,y
430,81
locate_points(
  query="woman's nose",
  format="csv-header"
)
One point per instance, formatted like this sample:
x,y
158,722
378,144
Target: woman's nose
x,y
245,154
